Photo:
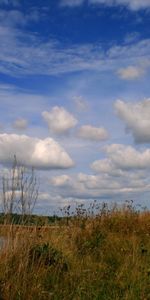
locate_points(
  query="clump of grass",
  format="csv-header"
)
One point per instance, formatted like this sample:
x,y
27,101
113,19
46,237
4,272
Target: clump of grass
x,y
89,240
48,255
97,253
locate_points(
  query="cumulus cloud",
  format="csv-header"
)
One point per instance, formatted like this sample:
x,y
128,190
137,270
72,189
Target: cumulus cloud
x,y
122,174
59,120
122,157
92,133
42,154
127,167
131,73
20,124
136,118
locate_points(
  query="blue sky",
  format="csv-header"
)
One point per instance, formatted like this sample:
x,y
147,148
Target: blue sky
x,y
75,97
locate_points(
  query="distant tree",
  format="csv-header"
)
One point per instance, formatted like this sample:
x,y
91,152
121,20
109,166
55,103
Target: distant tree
x,y
20,189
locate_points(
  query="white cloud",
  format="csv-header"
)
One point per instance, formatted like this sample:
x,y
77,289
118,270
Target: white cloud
x,y
59,120
127,157
127,167
92,133
20,124
136,117
42,154
131,73
121,157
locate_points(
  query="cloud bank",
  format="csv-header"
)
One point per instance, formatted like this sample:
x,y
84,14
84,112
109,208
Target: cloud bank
x,y
99,186
123,173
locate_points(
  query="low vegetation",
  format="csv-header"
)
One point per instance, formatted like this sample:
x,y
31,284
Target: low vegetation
x,y
97,253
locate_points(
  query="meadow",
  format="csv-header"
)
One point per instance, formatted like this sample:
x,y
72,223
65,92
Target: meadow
x,y
97,253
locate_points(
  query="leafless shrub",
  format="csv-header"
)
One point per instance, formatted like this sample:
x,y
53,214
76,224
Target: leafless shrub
x,y
19,189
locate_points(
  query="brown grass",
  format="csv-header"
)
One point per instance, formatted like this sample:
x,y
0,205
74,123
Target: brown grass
x,y
93,257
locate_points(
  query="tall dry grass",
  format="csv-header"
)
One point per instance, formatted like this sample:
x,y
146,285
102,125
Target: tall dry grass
x,y
89,256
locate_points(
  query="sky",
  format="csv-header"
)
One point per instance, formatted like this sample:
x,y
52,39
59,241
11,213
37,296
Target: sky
x,y
75,98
